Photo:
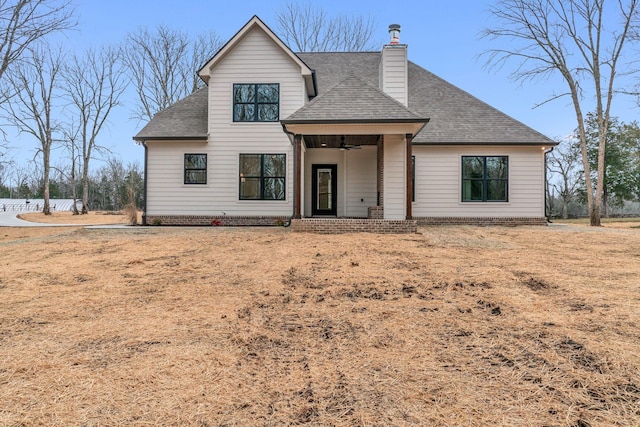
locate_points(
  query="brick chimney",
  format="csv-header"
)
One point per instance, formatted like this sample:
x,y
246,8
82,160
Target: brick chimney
x,y
394,79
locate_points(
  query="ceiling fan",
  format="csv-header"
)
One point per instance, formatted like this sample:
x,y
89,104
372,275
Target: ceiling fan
x,y
344,146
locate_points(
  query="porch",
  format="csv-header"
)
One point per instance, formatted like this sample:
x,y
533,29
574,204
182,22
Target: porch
x,y
353,225
337,186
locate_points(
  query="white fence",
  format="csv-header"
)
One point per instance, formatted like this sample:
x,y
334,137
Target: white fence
x,y
35,205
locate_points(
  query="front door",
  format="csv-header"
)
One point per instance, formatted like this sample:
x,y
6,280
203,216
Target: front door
x,y
325,190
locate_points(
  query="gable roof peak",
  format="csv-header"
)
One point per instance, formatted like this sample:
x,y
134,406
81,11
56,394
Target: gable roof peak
x,y
256,22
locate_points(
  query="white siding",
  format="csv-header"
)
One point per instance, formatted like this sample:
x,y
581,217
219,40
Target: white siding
x,y
255,59
166,193
361,187
438,183
394,72
357,188
395,178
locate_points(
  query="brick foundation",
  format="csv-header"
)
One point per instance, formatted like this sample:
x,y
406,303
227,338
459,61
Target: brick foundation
x,y
225,220
479,221
375,212
343,225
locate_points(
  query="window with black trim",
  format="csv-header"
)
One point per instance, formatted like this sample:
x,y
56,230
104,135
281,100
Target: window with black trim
x,y
256,102
485,178
195,168
262,176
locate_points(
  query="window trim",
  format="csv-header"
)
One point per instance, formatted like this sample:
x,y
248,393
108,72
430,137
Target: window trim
x,y
484,180
262,177
184,179
255,103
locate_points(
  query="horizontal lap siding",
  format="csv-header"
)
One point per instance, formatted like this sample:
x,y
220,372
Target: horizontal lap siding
x,y
361,183
395,178
438,182
166,193
256,59
394,72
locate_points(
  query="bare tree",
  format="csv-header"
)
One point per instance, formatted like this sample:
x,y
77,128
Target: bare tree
x,y
162,66
31,109
24,22
563,164
569,38
94,84
71,137
308,28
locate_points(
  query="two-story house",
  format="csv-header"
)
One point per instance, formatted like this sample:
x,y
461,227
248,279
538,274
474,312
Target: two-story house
x,y
336,142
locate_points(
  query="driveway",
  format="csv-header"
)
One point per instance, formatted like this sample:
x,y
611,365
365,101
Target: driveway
x,y
10,219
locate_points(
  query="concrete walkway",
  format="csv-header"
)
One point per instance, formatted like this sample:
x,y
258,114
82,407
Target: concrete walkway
x,y
10,219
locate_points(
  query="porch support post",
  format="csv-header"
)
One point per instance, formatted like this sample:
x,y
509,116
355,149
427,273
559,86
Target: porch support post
x,y
297,196
409,169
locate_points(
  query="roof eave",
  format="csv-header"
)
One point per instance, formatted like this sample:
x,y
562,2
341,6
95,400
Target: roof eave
x,y
489,144
423,121
354,126
170,138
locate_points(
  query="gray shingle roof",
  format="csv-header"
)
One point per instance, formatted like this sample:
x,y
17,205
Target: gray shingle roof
x,y
186,119
353,100
456,117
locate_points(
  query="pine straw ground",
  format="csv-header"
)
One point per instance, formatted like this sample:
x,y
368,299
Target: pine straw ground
x,y
260,326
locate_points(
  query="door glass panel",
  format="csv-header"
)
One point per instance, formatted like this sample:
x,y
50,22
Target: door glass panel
x,y
324,189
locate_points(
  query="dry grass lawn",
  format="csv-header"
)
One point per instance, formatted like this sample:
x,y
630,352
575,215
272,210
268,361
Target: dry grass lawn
x,y
91,218
260,326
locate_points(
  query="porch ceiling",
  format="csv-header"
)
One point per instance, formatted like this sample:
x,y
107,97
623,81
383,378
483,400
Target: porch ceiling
x,y
334,141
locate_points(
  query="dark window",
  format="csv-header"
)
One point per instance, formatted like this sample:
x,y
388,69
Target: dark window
x,y
262,176
485,178
256,102
195,168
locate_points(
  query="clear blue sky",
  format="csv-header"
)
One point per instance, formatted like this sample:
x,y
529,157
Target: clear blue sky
x,y
442,36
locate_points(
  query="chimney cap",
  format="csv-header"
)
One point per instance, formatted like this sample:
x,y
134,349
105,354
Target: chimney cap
x,y
394,34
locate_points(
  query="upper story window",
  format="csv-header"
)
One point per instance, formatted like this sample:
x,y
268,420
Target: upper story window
x,y
195,168
256,102
485,178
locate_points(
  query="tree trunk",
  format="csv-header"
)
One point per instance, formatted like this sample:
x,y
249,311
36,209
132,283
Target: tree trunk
x,y
46,155
594,211
74,190
85,187
564,213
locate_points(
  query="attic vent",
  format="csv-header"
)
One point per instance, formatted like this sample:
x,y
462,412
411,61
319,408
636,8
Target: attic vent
x,y
394,33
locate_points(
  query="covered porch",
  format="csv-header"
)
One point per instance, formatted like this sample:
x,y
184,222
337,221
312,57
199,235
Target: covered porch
x,y
352,159
353,178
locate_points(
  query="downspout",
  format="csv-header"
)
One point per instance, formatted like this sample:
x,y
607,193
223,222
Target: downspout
x,y
292,136
547,214
144,207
